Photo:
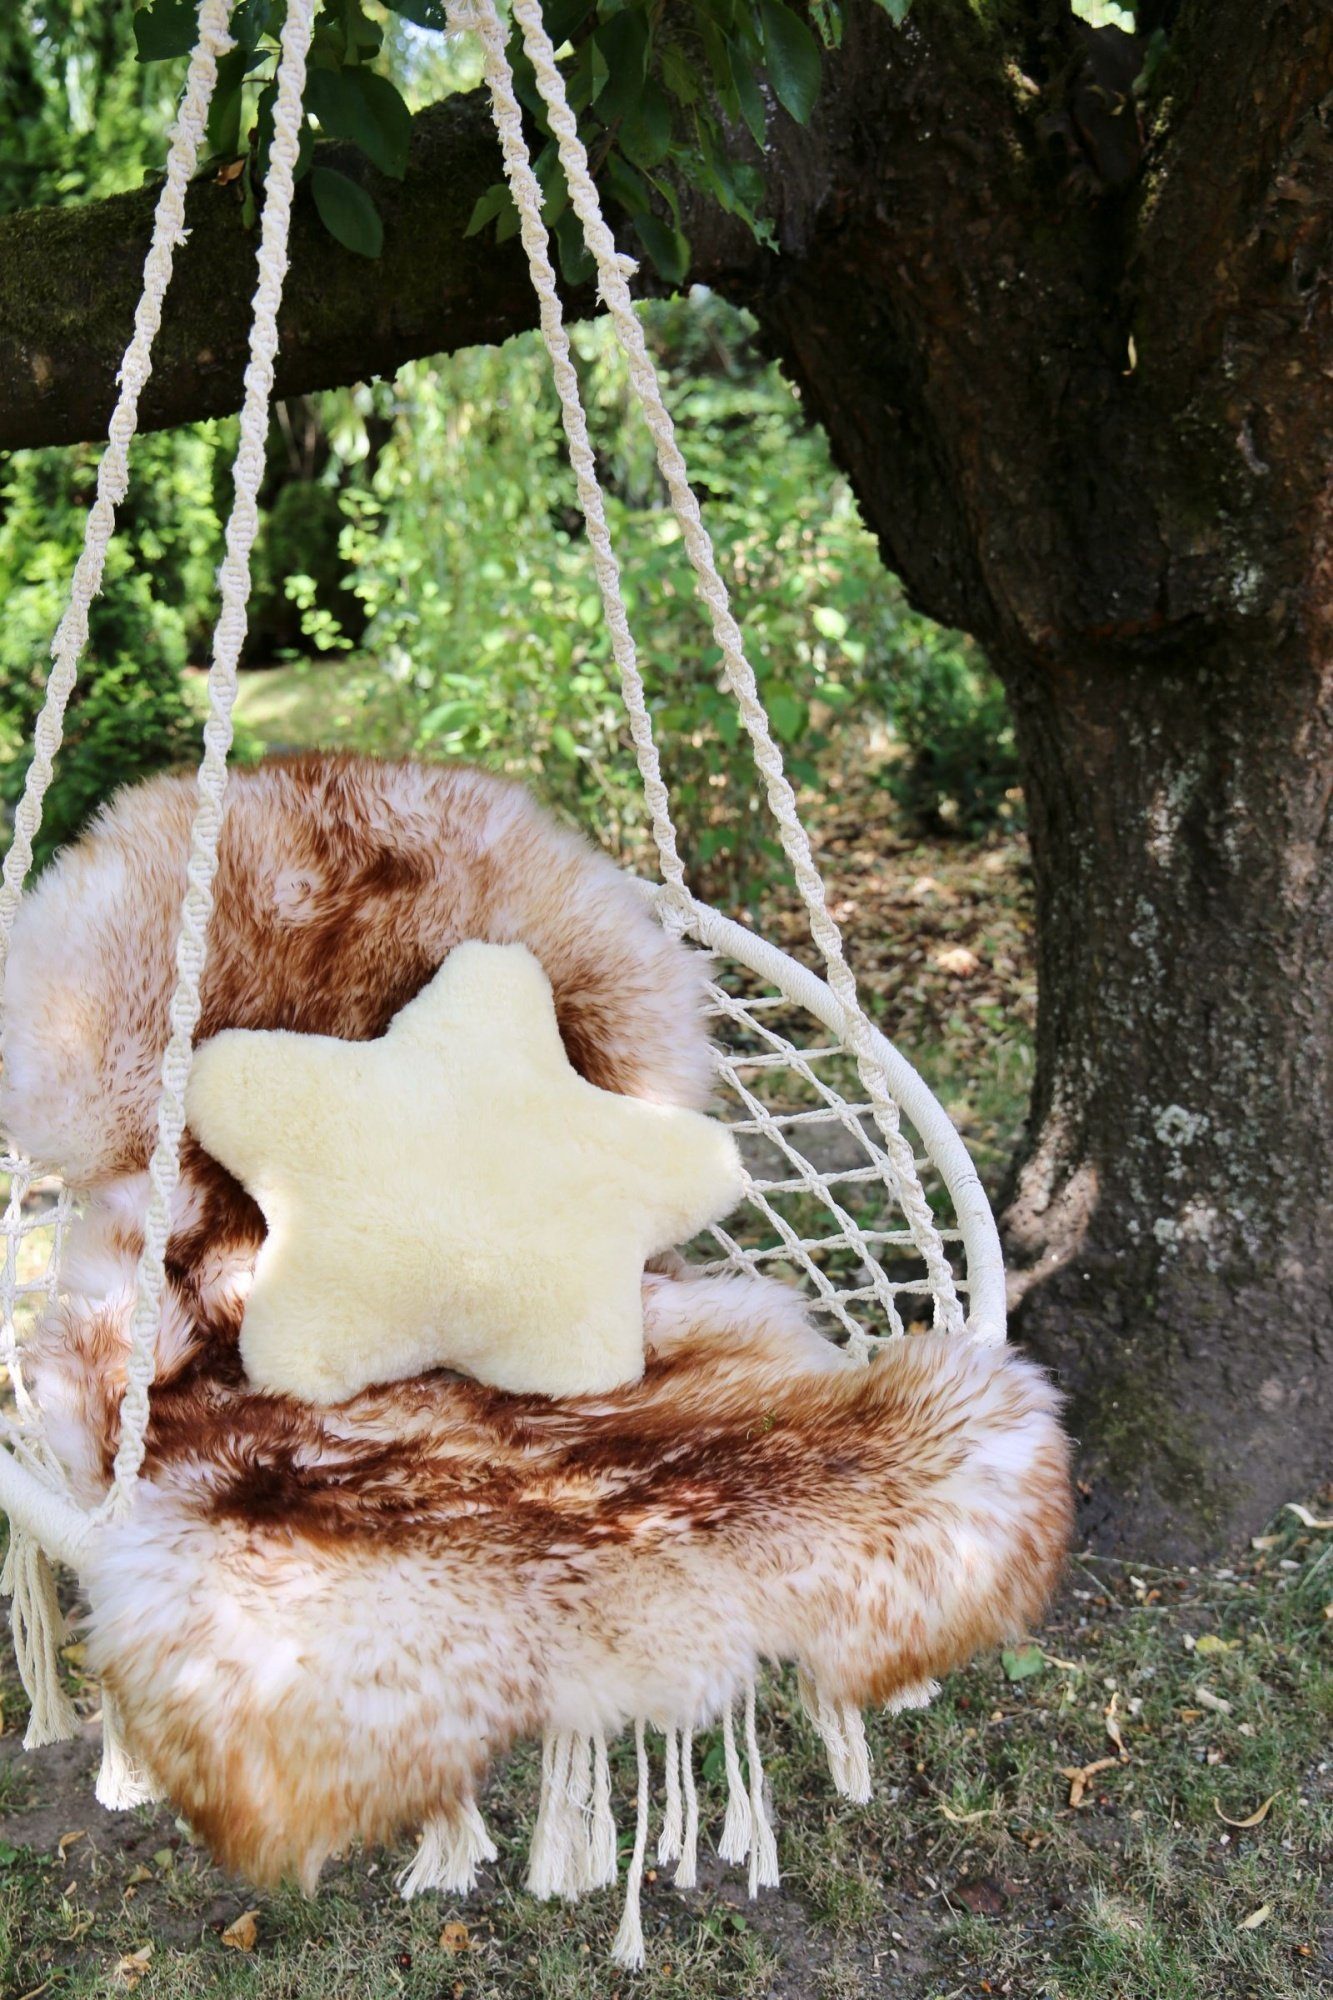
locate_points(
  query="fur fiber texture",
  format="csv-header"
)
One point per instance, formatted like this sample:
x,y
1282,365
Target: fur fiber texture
x,y
321,1625
451,1195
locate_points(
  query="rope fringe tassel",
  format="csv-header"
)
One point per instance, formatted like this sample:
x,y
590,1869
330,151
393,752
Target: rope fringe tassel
x,y
122,1783
451,1848
38,1625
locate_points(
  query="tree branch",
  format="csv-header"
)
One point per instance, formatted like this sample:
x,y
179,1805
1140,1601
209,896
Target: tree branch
x,y
70,280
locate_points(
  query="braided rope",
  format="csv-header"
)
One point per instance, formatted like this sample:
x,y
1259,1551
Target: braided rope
x,y
528,199
613,270
113,473
228,638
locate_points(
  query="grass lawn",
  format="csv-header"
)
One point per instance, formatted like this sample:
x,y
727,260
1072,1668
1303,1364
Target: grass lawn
x,y
981,1866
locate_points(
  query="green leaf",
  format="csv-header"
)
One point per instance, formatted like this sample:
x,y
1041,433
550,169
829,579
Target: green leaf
x,y
451,718
1105,14
1021,1662
347,212
563,19
249,23
750,98
426,13
576,263
645,134
167,28
496,201
668,249
623,43
224,113
787,713
387,117
359,105
897,10
626,186
792,55
564,742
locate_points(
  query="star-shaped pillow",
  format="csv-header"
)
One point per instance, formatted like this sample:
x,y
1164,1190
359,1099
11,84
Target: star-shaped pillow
x,y
453,1195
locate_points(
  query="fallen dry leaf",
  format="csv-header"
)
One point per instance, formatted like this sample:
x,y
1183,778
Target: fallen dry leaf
x,y
243,1934
1207,1699
1113,1726
232,171
67,1840
1257,1917
1210,1643
131,1969
1305,1517
139,1874
454,1937
1256,1818
966,1819
958,961
1080,1775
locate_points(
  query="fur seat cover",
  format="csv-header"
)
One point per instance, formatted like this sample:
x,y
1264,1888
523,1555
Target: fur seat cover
x,y
319,1625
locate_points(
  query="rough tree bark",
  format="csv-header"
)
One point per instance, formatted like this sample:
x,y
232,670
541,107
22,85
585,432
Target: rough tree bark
x,y
1103,369
1080,372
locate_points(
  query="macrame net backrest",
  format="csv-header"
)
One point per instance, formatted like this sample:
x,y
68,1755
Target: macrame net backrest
x,y
843,1195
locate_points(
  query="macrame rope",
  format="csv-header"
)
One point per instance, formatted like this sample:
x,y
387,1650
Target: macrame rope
x,y
627,1949
113,473
686,1873
612,271
228,638
528,199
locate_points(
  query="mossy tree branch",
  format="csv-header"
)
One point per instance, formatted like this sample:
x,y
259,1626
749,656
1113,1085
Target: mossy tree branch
x,y
70,279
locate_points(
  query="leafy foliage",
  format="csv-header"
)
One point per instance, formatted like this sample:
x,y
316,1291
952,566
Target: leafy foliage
x,y
493,645
130,714
662,95
958,772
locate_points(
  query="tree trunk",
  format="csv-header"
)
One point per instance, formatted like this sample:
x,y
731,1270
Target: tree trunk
x,y
1102,425
1171,1227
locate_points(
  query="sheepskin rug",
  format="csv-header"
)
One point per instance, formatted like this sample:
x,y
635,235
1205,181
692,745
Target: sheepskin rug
x,y
322,1625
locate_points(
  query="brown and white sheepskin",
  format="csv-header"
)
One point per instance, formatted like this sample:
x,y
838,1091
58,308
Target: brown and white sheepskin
x,y
321,1625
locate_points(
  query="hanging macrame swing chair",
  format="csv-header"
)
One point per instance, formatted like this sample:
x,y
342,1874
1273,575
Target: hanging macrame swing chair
x,y
317,1625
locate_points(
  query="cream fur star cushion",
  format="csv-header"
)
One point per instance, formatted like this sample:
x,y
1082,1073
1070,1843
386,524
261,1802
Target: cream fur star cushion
x,y
453,1194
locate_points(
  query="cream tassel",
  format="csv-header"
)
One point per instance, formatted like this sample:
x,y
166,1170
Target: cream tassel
x,y
578,1819
38,1626
538,1881
121,1782
628,1947
763,1847
844,1737
451,1845
920,1696
735,1842
550,1858
669,1840
687,1872
602,1867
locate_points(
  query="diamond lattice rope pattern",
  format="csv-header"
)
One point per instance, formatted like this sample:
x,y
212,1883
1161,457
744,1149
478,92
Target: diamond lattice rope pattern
x,y
824,1200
